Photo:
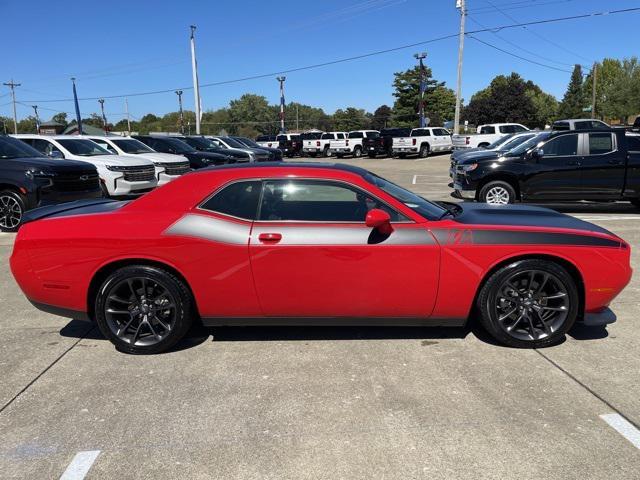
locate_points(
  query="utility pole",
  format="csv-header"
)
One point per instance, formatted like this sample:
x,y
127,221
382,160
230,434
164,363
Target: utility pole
x,y
104,117
35,109
12,85
196,84
420,57
179,93
594,75
297,120
126,109
281,80
75,101
460,5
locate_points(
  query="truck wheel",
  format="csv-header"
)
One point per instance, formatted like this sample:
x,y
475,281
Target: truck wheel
x,y
339,155
424,151
327,152
372,155
12,208
357,152
402,155
529,304
497,193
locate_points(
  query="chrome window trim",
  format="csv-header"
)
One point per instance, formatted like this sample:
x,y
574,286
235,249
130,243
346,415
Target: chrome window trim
x,y
264,179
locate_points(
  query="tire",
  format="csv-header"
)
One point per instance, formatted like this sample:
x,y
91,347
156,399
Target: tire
x,y
497,192
313,155
357,152
339,155
12,208
497,299
326,153
372,155
139,289
402,155
424,151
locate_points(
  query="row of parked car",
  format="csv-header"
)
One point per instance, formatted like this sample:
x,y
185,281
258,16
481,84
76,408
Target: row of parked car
x,y
39,170
388,142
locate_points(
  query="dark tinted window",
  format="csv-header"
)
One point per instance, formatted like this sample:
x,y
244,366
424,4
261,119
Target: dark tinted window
x,y
130,145
600,143
586,125
488,130
507,129
238,200
45,147
341,136
317,201
561,146
518,128
327,136
440,132
561,126
12,148
312,136
262,138
355,134
421,132
636,122
633,143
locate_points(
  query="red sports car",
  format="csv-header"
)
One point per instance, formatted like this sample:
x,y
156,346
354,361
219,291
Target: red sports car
x,y
314,244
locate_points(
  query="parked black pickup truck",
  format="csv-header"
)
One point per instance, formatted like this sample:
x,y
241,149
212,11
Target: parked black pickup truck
x,y
592,165
383,144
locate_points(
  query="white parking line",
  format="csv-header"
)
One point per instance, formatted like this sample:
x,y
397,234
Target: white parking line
x,y
623,427
80,465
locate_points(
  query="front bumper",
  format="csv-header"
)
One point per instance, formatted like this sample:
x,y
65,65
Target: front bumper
x,y
121,187
464,193
596,319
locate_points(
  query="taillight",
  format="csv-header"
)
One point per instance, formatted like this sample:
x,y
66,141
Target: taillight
x,y
467,140
347,142
318,143
414,141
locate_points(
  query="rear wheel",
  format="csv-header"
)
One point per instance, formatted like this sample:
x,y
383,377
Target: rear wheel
x,y
424,151
357,152
326,152
371,155
529,304
12,208
143,309
497,193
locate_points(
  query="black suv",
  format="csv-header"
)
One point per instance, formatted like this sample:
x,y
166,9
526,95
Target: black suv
x,y
275,154
383,144
203,144
167,144
30,180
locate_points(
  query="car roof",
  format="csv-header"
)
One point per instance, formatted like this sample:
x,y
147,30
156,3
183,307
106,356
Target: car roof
x,y
52,137
315,165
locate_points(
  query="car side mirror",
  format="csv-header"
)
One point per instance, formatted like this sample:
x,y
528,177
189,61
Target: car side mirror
x,y
537,154
56,154
380,220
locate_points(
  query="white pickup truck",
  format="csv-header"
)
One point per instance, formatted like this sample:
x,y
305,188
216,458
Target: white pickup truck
x,y
486,135
423,141
352,145
321,144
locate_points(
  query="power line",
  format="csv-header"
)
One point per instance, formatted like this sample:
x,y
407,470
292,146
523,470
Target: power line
x,y
517,5
359,57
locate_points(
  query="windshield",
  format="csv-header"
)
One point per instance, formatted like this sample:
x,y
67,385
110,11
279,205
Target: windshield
x,y
515,141
83,148
200,142
247,142
232,142
532,142
499,142
12,148
424,207
178,145
311,136
131,145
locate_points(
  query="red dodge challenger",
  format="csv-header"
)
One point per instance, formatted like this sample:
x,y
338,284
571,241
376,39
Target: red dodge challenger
x,y
314,244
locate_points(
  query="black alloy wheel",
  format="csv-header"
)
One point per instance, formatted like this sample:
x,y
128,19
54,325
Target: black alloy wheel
x,y
529,304
143,309
12,209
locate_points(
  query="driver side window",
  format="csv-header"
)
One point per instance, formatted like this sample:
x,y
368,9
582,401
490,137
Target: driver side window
x,y
318,201
566,145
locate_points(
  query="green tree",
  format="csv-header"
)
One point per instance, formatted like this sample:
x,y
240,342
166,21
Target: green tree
x,y
574,101
304,117
439,101
6,124
215,122
252,111
617,88
381,117
60,118
27,125
545,107
350,119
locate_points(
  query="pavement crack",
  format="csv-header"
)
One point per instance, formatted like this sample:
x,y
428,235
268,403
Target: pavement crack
x,y
587,388
35,379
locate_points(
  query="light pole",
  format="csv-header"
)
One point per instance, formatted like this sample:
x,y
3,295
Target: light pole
x,y
196,84
460,5
281,80
104,117
35,110
179,94
420,57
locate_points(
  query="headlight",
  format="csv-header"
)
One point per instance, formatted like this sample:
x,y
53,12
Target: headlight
x,y
31,174
158,164
116,168
469,168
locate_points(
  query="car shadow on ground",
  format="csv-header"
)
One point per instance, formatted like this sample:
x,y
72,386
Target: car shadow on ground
x,y
199,334
582,207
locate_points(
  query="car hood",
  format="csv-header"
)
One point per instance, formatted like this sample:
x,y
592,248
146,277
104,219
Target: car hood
x,y
211,155
473,157
55,164
159,157
119,160
522,216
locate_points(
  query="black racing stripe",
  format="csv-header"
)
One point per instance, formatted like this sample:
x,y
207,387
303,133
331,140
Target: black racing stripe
x,y
510,237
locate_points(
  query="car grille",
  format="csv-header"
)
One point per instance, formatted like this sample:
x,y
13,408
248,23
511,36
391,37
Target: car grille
x,y
76,183
178,168
139,173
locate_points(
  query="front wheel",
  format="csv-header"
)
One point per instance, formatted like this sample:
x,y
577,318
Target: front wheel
x,y
12,208
497,193
529,304
143,309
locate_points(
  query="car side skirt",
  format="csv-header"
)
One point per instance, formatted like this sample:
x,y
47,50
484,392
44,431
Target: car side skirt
x,y
333,321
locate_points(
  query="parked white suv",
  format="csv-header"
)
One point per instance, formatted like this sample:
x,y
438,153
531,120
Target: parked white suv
x,y
423,141
167,165
119,174
352,145
580,124
321,145
486,135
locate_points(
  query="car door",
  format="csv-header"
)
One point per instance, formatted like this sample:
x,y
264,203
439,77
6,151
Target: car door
x,y
554,172
602,166
313,256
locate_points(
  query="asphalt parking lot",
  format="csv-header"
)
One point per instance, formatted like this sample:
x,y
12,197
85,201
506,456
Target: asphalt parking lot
x,y
323,402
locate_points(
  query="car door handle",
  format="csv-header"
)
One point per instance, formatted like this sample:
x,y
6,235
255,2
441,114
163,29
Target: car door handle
x,y
614,162
270,237
574,162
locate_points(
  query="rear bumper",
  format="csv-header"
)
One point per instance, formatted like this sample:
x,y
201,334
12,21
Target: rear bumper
x,y
595,319
61,312
405,149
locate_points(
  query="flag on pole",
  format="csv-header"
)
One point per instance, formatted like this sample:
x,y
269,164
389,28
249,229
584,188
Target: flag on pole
x,y
75,101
